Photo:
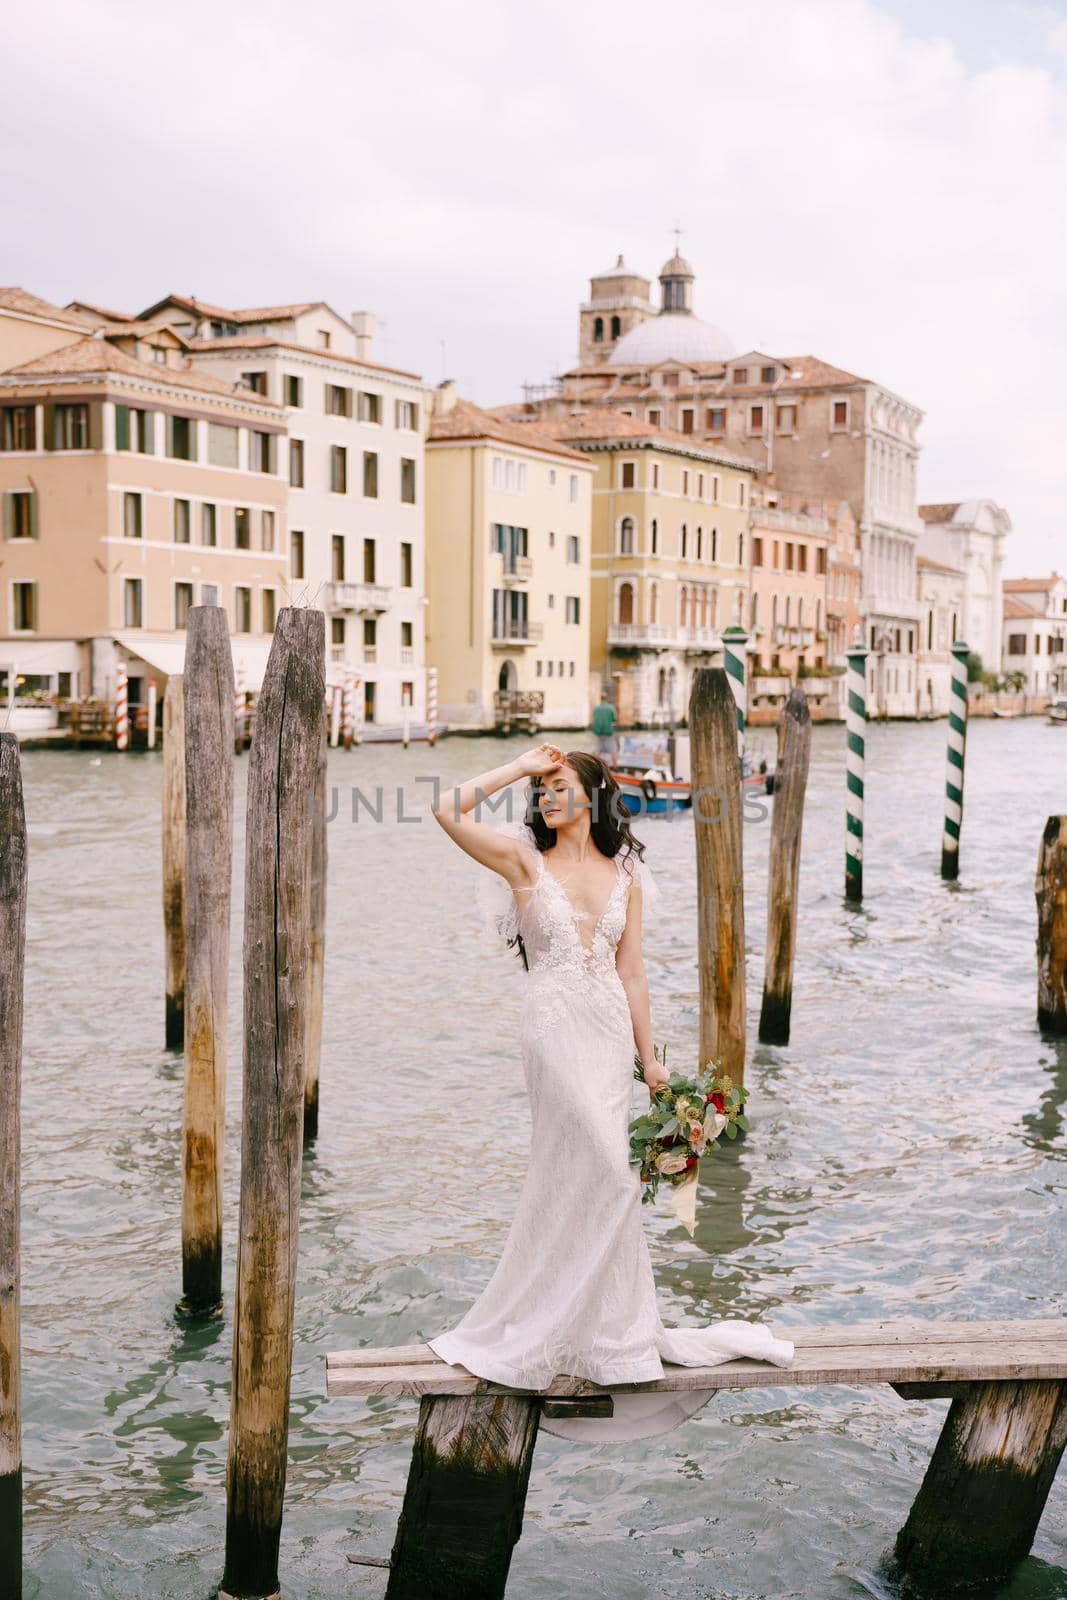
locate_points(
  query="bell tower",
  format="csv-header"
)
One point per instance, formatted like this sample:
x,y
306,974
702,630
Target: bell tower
x,y
618,301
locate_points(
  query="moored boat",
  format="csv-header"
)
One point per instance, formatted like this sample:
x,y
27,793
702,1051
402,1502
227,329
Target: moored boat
x,y
1057,713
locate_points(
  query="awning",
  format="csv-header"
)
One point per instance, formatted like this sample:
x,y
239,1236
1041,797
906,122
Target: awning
x,y
40,657
166,654
250,655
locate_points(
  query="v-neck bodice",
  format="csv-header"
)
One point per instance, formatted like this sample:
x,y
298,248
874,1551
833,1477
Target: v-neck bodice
x,y
552,925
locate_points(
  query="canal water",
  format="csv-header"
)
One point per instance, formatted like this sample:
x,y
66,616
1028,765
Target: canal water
x,y
908,1159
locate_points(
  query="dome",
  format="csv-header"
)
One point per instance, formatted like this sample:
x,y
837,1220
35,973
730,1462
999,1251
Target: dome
x,y
671,337
676,267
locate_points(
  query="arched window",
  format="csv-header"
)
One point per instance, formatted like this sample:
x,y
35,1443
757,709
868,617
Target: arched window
x,y
703,605
598,331
774,611
683,604
626,536
800,612
653,606
700,544
788,608
693,596
684,541
740,549
626,604
654,538
662,695
616,327
715,608
818,616
715,544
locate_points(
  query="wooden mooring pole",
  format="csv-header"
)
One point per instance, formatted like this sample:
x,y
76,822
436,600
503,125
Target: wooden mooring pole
x,y
12,959
465,1497
174,860
283,770
790,785
1050,888
208,701
981,1500
316,944
716,787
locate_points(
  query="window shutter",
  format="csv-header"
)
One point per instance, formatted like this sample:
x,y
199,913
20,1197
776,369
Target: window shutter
x,y
49,426
9,517
33,514
122,427
96,425
150,432
168,434
194,437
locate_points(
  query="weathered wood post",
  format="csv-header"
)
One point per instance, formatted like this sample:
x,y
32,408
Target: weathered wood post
x,y
957,741
1050,888
12,960
283,769
208,699
981,1500
316,944
790,785
174,860
716,787
465,1496
855,765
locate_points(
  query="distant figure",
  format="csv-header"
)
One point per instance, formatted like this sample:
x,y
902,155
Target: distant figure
x,y
604,727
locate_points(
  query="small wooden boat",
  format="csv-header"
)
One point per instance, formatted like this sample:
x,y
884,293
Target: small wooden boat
x,y
654,790
1057,713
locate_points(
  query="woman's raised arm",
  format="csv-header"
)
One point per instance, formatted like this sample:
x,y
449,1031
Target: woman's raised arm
x,y
481,840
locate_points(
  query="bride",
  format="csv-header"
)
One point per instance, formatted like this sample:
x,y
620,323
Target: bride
x,y
573,1291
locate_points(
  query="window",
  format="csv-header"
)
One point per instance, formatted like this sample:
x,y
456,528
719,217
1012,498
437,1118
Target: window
x,y
740,549
24,607
785,419
653,538
370,406
755,419
714,544
269,605
370,564
820,559
616,327
181,438
242,608
338,469
209,594
370,474
669,380
132,603
655,474
182,522
20,515
628,474
688,415
700,486
266,529
626,536
551,477
222,448
715,419
338,401
183,599
498,472
133,430
573,608
370,638
293,390
740,491
654,418
19,431
132,515
683,542
296,553
598,330
242,528
324,339
407,481
802,558
767,374
740,375
256,381
260,452
574,549
208,524
574,488
685,481
407,414
337,557
407,635
840,414
70,427
337,631
296,463
406,566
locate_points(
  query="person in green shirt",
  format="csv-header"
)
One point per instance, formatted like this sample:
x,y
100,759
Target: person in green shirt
x,y
604,727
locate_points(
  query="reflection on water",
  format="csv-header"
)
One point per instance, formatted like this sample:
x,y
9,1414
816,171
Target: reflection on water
x,y
906,1159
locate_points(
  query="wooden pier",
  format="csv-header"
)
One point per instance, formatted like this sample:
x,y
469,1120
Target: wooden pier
x,y
974,1518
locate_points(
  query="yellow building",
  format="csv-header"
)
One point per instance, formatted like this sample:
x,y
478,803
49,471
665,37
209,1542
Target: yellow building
x,y
133,487
670,556
507,569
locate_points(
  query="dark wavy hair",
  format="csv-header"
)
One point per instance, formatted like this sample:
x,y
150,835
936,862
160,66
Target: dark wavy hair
x,y
609,824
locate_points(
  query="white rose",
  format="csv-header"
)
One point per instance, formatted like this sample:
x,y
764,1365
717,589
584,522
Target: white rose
x,y
671,1161
714,1123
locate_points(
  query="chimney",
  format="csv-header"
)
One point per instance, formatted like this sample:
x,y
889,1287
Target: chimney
x,y
363,325
445,397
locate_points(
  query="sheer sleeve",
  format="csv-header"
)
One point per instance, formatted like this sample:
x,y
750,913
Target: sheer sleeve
x,y
496,903
642,875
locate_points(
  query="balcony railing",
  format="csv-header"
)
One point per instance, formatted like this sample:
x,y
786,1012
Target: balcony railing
x,y
799,637
518,569
358,597
700,638
641,635
515,632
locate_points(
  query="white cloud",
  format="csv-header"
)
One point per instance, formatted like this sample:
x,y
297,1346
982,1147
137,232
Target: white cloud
x,y
845,187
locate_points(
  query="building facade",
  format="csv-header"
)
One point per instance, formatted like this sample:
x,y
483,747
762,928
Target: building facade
x,y
1035,633
508,517
133,488
941,592
970,536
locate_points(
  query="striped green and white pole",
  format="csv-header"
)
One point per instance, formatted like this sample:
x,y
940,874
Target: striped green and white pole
x,y
855,756
957,738
734,642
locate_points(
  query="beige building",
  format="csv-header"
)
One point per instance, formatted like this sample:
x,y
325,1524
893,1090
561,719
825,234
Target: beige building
x,y
941,591
133,488
669,557
970,536
1035,633
508,513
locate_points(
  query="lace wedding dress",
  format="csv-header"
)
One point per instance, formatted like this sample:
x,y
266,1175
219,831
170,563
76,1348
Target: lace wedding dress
x,y
573,1291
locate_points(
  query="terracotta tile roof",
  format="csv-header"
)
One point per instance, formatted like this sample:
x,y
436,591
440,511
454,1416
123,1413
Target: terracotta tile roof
x,y
601,423
98,355
1022,585
263,341
203,308
1015,608
100,312
942,512
14,299
937,566
801,372
468,421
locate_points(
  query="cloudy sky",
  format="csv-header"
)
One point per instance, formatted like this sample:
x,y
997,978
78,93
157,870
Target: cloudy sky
x,y
879,182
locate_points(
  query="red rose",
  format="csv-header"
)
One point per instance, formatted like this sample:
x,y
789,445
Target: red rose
x,y
718,1100
690,1163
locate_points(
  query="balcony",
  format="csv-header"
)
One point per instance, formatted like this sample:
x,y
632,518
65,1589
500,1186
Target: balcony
x,y
640,635
518,570
338,654
700,638
366,597
798,638
510,635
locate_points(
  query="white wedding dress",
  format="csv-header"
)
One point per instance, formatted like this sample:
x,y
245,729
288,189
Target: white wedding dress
x,y
573,1291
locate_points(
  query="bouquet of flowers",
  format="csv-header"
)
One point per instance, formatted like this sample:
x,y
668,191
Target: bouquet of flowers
x,y
686,1116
